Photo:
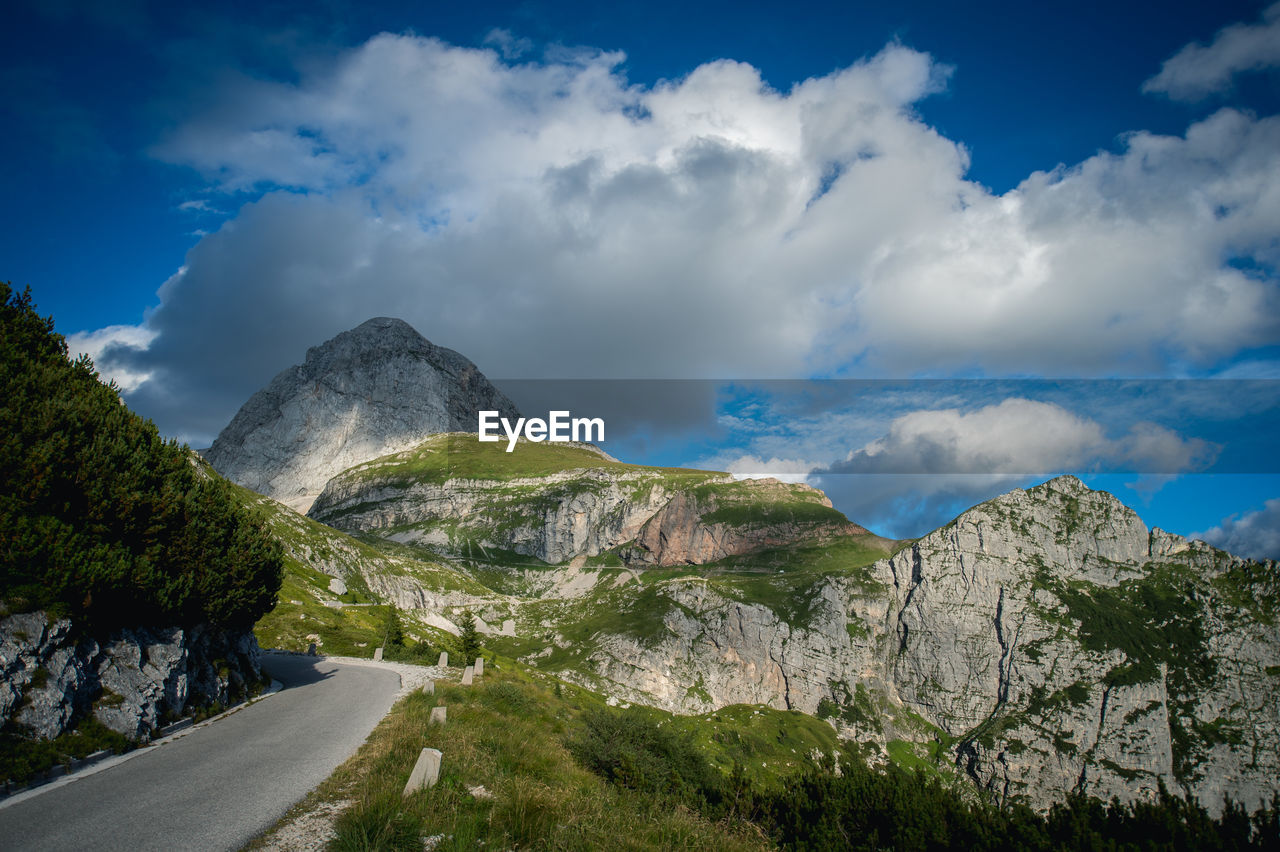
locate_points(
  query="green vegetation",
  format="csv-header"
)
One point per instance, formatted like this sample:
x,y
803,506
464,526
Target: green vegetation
x,y
508,780
21,757
469,638
1253,587
533,766
863,809
748,503
460,456
104,520
789,580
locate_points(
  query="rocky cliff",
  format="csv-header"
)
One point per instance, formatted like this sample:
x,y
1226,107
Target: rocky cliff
x,y
132,681
562,502
1044,643
719,520
378,388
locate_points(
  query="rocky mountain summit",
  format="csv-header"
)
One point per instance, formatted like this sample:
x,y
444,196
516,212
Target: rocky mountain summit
x,y
376,389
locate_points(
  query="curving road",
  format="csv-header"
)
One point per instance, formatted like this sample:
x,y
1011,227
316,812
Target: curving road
x,y
221,784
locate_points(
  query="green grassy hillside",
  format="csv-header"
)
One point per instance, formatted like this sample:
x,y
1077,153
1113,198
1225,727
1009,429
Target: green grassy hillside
x,y
441,458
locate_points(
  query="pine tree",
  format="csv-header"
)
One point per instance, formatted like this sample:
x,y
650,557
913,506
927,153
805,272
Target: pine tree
x,y
470,638
103,519
392,629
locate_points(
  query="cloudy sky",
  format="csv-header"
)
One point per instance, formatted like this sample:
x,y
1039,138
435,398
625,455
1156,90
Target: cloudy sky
x,y
728,191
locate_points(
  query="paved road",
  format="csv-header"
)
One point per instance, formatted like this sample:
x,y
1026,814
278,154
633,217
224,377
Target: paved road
x,y
221,784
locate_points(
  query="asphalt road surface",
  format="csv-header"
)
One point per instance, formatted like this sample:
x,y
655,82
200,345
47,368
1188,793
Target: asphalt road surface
x,y
221,784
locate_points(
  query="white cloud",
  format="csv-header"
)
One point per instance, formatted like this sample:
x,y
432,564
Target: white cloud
x,y
100,346
931,464
1197,71
549,219
198,205
1255,535
1017,437
921,467
753,467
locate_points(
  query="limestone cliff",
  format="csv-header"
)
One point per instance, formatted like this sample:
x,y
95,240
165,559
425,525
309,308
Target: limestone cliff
x,y
562,502
708,524
1046,642
376,389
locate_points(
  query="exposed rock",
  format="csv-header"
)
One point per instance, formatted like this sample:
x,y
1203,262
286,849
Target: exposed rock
x,y
648,515
132,682
682,533
553,518
1058,643
376,389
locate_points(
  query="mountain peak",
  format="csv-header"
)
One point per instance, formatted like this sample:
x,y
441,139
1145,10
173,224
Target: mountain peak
x,y
378,388
1065,483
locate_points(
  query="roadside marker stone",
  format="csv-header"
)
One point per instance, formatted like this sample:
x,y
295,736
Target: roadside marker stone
x,y
438,715
426,772
377,655
311,649
479,666
468,676
429,688
444,660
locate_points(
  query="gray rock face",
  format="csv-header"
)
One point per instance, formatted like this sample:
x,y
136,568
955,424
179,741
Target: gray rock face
x,y
1048,636
377,389
554,518
131,682
678,535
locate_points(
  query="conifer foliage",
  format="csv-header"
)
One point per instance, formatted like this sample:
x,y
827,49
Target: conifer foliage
x,y
101,518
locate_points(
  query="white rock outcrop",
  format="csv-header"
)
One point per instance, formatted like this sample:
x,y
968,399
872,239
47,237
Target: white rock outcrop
x,y
376,389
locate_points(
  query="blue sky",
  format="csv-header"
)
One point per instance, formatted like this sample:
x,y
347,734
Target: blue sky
x,y
708,191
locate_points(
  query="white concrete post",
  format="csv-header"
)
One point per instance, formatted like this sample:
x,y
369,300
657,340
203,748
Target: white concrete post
x,y
426,772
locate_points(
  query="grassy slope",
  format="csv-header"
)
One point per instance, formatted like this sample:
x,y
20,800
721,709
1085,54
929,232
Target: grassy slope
x,y
508,734
748,504
313,554
460,456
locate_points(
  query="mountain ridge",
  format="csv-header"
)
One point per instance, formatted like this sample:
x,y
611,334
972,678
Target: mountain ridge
x,y
1043,643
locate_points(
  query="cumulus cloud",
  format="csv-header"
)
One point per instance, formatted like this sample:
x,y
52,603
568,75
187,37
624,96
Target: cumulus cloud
x,y
1198,71
1021,436
1254,535
931,464
550,219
